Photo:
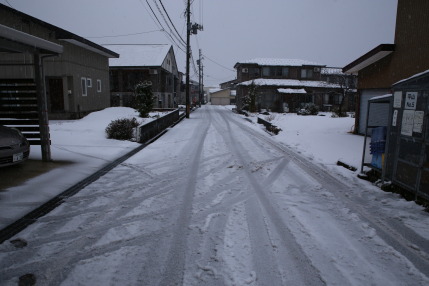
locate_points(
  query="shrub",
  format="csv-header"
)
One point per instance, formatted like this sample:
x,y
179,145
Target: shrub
x,y
308,109
270,117
144,98
121,129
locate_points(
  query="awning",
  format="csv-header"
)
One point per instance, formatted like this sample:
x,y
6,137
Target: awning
x,y
15,41
369,58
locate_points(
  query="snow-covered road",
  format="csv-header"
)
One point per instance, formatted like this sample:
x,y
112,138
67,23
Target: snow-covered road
x,y
216,202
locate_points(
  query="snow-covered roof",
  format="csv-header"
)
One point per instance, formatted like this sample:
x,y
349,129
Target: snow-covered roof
x,y
280,62
138,55
332,70
381,96
213,90
291,90
290,82
411,77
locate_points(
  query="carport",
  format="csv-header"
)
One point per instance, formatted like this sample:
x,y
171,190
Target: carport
x,y
23,102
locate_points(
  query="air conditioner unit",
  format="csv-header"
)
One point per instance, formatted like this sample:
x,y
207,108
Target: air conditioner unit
x,y
316,69
153,72
245,70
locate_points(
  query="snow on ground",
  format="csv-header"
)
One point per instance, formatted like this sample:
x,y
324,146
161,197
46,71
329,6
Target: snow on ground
x,y
83,147
228,205
80,148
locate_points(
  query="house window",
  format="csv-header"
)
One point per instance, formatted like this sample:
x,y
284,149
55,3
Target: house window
x,y
98,85
326,99
254,71
285,71
83,86
306,73
266,71
89,82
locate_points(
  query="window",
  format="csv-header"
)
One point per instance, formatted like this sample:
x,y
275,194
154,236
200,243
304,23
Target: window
x,y
275,71
306,73
98,85
254,72
285,71
83,86
89,82
266,71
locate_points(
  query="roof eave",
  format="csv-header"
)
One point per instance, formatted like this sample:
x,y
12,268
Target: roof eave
x,y
34,42
88,45
369,58
62,34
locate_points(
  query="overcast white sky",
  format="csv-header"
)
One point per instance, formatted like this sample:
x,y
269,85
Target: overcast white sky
x,y
330,32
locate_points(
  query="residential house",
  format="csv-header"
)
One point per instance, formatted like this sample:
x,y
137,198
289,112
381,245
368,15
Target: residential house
x,y
228,84
386,64
222,96
345,96
281,83
139,63
208,90
76,81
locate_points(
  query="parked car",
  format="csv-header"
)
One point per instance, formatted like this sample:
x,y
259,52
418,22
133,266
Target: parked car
x,y
14,147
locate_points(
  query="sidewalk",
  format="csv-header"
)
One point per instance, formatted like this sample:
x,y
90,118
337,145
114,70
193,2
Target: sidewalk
x,y
79,149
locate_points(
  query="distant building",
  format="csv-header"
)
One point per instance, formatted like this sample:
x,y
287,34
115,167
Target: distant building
x,y
386,64
138,63
222,96
282,83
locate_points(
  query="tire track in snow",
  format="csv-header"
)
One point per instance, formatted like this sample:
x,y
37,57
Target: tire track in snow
x,y
399,237
173,273
299,265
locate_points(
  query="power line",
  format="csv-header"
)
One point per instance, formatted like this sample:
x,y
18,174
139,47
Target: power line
x,y
171,22
162,27
168,25
218,63
124,35
9,4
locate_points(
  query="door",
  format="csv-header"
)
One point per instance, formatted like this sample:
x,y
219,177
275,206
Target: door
x,y
55,94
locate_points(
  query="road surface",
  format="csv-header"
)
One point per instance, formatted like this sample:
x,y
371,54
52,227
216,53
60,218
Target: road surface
x,y
216,201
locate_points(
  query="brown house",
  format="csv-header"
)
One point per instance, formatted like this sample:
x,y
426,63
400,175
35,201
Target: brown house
x,y
282,83
138,63
386,64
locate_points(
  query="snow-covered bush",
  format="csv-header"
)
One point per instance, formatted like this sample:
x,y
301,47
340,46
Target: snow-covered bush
x,y
270,117
144,98
308,109
121,129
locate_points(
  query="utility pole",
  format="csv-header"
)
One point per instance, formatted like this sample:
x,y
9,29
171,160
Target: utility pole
x,y
202,81
200,84
188,54
191,29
